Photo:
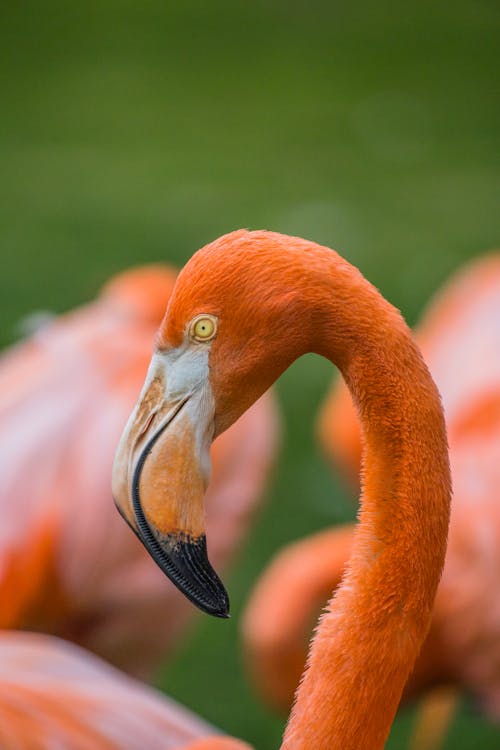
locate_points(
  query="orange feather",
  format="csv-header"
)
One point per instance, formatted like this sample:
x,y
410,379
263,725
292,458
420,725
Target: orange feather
x,y
55,695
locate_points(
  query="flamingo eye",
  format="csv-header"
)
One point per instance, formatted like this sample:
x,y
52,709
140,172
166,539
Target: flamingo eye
x,y
203,327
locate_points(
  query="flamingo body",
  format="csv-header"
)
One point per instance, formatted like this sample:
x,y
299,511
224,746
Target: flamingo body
x,y
67,563
54,694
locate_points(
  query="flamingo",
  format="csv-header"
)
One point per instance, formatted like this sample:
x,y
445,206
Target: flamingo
x,y
55,694
242,310
68,566
460,338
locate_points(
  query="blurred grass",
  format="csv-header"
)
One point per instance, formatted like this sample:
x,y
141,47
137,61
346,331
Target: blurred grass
x,y
137,132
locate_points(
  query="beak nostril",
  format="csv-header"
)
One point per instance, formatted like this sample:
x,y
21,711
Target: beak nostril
x,y
147,424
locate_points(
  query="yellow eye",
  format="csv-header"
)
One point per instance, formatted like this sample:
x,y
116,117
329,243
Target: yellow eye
x,y
204,327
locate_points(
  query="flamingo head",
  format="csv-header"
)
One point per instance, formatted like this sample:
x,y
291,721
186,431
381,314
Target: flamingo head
x,y
226,336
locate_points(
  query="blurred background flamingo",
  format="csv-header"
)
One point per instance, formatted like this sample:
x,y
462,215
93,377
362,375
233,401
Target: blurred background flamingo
x,y
55,694
68,563
460,338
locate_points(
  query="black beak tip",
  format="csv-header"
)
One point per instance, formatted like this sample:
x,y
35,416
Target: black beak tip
x,y
219,608
196,579
185,562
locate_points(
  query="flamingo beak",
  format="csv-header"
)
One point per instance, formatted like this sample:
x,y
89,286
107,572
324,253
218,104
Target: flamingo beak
x,y
160,475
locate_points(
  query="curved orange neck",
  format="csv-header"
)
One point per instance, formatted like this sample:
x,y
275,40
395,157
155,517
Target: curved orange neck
x,y
279,297
371,633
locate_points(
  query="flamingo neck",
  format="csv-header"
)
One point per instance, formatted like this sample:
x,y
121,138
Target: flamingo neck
x,y
371,632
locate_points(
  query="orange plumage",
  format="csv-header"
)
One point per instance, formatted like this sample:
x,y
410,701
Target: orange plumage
x,y
460,338
53,694
68,565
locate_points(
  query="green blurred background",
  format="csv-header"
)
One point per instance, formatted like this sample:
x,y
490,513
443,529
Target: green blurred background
x,y
132,132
